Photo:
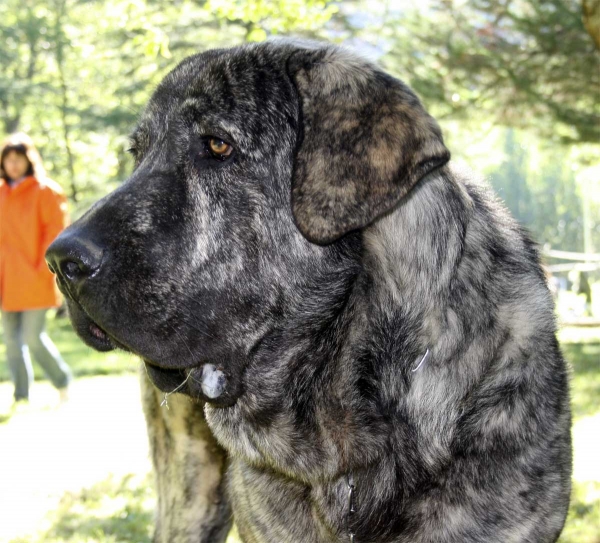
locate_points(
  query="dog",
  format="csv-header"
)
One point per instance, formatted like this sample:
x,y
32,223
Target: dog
x,y
363,328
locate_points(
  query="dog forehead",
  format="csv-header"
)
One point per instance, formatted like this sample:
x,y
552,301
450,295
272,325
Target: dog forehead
x,y
245,87
226,77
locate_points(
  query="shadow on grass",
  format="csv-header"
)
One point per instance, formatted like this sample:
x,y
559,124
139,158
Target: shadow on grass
x,y
111,511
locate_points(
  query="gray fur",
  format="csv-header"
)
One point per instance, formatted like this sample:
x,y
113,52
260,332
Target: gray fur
x,y
293,288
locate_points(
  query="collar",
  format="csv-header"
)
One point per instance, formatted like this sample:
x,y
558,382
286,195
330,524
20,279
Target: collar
x,y
22,184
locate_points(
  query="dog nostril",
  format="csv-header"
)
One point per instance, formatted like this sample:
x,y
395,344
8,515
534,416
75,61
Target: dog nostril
x,y
73,270
73,257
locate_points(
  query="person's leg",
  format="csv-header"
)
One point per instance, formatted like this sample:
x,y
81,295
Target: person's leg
x,y
43,350
17,353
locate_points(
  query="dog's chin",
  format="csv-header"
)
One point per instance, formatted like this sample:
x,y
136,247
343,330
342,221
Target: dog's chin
x,y
167,380
204,382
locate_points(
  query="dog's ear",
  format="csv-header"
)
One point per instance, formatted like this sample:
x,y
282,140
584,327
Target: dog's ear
x,y
366,141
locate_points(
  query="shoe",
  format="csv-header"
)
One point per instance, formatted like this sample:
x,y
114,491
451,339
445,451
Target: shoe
x,y
63,395
20,406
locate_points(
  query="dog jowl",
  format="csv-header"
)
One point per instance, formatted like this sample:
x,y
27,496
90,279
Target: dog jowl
x,y
291,244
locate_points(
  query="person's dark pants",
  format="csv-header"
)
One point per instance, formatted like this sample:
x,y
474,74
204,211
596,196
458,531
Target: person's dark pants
x,y
24,332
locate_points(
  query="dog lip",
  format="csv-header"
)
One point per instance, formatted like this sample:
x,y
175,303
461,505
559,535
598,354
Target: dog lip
x,y
96,337
93,333
167,380
97,331
99,337
171,367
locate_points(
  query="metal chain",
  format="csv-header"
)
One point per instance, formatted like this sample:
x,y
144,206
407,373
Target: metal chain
x,y
351,509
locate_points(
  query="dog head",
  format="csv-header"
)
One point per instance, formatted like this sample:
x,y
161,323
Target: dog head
x,y
256,169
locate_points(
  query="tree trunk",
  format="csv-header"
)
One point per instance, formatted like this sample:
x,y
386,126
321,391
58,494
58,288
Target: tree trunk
x,y
591,19
64,107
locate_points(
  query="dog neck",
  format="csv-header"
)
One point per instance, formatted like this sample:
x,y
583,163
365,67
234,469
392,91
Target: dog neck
x,y
311,365
413,251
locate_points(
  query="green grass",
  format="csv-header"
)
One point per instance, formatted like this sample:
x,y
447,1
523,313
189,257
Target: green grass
x,y
581,347
583,522
112,511
121,510
585,378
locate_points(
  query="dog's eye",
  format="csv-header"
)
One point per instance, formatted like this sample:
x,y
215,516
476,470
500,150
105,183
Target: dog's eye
x,y
219,148
212,149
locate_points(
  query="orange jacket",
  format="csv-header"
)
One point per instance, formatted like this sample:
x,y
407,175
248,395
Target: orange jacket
x,y
32,214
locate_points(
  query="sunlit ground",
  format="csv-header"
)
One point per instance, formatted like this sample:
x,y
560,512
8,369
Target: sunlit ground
x,y
80,473
581,347
47,450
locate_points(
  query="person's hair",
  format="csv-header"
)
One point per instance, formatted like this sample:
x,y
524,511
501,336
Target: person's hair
x,y
23,145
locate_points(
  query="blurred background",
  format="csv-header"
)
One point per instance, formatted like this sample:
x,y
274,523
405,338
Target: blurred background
x,y
515,85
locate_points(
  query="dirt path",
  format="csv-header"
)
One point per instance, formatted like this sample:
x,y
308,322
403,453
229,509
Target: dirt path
x,y
45,450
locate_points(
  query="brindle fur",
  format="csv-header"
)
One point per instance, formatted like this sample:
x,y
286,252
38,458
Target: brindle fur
x,y
315,268
188,468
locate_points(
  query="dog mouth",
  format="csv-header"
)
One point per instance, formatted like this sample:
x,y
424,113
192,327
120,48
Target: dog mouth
x,y
102,341
203,380
90,332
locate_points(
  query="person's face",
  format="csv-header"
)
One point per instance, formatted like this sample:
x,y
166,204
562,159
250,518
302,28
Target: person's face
x,y
15,165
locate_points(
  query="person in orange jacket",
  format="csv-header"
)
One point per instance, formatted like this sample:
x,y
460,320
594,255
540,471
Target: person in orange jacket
x,y
33,211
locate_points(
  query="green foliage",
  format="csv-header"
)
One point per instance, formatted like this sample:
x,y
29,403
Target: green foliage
x,y
586,377
581,348
75,74
263,18
543,193
22,30
524,63
584,514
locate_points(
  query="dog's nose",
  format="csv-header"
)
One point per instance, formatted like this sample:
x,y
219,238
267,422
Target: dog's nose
x,y
73,258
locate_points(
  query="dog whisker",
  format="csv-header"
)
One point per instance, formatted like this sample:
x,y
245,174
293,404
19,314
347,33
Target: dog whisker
x,y
165,402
